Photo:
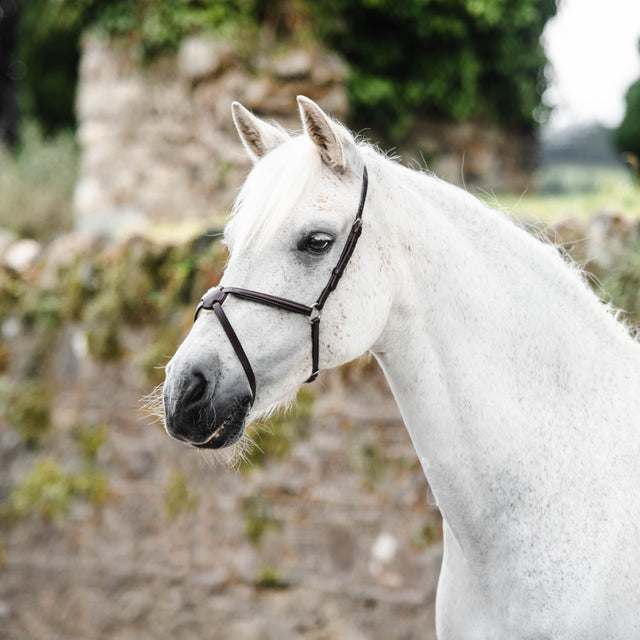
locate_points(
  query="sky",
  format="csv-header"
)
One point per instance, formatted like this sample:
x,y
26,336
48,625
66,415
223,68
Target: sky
x,y
593,48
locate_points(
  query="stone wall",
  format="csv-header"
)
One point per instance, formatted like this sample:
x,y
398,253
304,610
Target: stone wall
x,y
330,534
157,141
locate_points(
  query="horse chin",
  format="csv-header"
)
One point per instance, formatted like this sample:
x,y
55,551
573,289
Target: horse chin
x,y
228,432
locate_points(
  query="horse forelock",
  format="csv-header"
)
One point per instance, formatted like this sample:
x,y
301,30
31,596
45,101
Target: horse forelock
x,y
272,190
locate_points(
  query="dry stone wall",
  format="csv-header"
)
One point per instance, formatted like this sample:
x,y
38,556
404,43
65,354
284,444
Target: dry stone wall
x,y
331,535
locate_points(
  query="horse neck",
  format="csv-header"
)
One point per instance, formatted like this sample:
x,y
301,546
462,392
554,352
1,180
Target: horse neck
x,y
497,353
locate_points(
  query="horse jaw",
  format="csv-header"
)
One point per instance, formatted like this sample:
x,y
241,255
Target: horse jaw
x,y
197,408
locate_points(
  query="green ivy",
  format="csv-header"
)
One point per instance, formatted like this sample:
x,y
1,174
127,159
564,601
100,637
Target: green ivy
x,y
258,518
178,497
26,406
47,492
270,577
275,438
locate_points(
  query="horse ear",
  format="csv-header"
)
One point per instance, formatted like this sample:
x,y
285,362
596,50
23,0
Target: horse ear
x,y
334,142
257,136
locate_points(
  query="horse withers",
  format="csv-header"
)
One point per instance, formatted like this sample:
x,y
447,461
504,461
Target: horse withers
x,y
519,389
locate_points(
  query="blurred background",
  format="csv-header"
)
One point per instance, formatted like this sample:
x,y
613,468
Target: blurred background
x,y
118,163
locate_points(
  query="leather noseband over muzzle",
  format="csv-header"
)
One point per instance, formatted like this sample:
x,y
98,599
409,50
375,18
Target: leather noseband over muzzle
x,y
213,299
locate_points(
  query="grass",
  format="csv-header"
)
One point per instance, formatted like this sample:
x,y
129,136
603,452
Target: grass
x,y
564,191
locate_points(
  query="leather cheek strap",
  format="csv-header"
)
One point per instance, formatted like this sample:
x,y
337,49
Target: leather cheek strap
x,y
315,349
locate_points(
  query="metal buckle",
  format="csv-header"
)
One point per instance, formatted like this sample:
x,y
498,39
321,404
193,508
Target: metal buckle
x,y
215,294
314,316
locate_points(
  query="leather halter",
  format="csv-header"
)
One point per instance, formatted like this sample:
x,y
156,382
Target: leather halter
x,y
213,299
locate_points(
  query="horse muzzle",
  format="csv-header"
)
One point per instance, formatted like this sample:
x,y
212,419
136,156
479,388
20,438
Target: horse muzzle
x,y
196,415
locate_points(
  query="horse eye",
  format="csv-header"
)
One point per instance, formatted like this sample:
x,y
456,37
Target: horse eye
x,y
317,242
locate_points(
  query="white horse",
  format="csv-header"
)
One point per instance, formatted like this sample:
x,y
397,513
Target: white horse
x,y
519,389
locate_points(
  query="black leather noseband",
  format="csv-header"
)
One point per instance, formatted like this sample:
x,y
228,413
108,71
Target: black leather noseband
x,y
212,300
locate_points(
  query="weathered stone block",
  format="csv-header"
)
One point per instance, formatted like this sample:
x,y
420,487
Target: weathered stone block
x,y
202,56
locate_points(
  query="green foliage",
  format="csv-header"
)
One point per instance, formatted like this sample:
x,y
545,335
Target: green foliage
x,y
90,439
368,458
102,293
4,357
270,578
47,492
48,45
26,406
160,25
477,59
178,497
258,518
90,485
103,335
627,135
51,30
427,535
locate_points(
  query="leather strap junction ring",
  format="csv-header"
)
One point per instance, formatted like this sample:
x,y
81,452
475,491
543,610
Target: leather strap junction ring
x,y
213,299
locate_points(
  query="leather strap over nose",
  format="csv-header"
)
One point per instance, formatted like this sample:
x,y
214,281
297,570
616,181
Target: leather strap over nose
x,y
215,297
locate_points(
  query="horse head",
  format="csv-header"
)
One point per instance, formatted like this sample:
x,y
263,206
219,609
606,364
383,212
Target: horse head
x,y
291,226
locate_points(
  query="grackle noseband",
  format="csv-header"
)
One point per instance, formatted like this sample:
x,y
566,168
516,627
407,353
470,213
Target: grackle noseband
x,y
213,299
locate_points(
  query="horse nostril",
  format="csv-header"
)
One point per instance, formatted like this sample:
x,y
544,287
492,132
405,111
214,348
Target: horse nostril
x,y
195,388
